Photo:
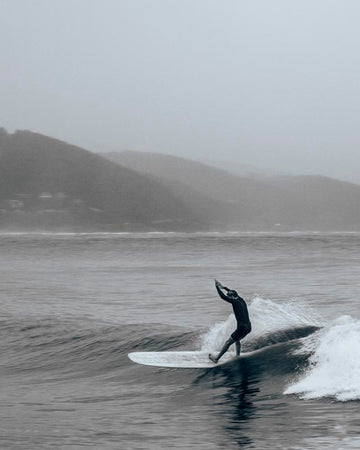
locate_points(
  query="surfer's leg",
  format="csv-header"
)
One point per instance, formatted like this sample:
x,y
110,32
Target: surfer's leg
x,y
241,331
227,344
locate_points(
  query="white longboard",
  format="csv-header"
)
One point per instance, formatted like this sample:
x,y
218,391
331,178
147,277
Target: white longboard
x,y
186,360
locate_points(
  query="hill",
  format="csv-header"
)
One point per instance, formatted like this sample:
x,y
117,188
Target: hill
x,y
274,202
46,183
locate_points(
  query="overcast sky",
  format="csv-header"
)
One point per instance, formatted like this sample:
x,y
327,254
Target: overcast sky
x,y
272,83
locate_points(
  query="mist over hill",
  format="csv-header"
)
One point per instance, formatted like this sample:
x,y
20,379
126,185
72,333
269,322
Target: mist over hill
x,y
244,170
46,183
268,203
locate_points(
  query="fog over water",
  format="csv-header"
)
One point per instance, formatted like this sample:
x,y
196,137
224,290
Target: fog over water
x,y
270,84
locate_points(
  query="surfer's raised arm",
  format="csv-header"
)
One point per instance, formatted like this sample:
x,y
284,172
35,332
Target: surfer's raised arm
x,y
219,288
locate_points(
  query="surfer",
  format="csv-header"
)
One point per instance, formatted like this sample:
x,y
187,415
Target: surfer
x,y
242,319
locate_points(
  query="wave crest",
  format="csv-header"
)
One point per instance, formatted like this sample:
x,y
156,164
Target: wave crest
x,y
335,364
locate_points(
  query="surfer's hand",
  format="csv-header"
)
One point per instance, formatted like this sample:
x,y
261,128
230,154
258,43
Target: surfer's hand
x,y
218,284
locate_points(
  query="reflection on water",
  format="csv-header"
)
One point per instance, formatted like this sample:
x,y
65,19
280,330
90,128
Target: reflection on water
x,y
242,384
234,388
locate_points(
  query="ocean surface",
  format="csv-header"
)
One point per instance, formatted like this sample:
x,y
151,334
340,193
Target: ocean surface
x,y
74,305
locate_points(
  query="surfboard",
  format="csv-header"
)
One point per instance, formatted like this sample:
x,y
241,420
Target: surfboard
x,y
184,359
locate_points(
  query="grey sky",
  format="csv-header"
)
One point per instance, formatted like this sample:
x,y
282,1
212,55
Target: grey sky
x,y
273,83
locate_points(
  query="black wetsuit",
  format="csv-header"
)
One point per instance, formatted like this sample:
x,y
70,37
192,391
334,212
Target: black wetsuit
x,y
241,314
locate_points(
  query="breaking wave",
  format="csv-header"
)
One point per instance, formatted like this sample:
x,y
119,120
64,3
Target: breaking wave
x,y
319,359
334,369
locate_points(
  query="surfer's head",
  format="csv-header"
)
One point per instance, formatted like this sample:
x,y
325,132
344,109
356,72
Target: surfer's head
x,y
233,294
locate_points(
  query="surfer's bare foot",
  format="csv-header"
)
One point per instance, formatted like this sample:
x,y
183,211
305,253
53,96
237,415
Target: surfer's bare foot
x,y
212,358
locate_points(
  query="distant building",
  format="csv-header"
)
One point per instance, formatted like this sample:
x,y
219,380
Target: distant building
x,y
16,204
45,196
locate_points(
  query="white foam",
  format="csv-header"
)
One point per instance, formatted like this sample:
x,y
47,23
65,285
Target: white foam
x,y
335,365
266,316
215,338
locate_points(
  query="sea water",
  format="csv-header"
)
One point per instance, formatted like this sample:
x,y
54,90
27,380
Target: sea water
x,y
73,305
